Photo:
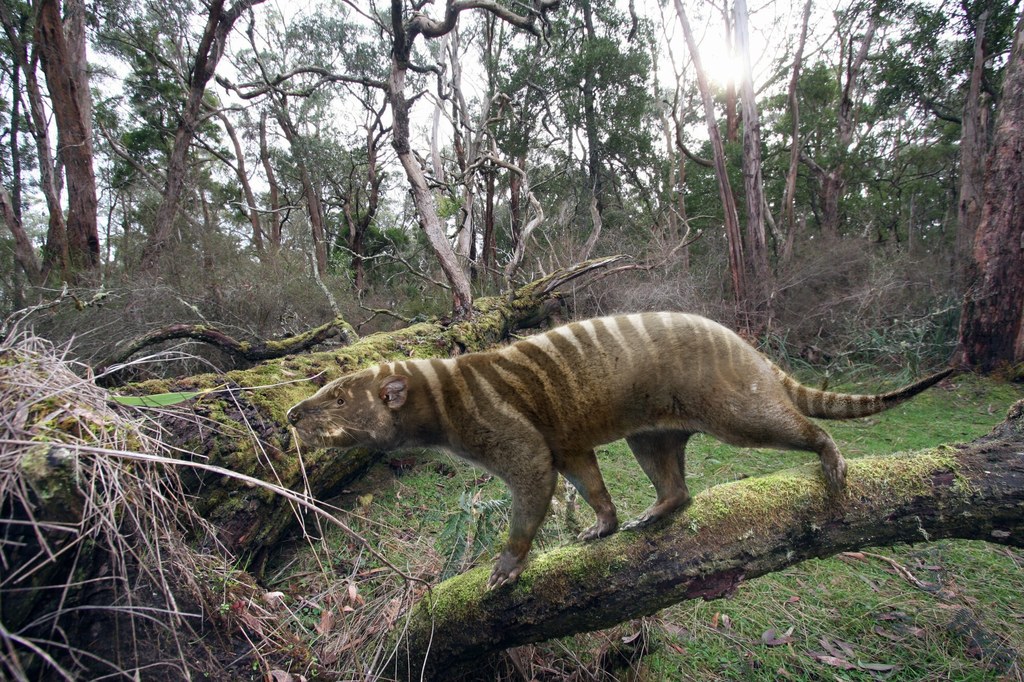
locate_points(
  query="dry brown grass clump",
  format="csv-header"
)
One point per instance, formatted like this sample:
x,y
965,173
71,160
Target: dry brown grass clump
x,y
92,549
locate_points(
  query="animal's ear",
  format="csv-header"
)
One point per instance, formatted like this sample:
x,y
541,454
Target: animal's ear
x,y
394,391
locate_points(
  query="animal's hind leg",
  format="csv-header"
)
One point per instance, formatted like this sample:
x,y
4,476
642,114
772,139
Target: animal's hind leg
x,y
790,430
662,456
581,470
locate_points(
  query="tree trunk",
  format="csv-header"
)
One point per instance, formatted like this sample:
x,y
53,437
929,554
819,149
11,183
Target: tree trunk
x,y
24,252
55,250
251,207
732,532
360,218
69,93
753,182
310,189
732,220
590,124
832,179
973,151
277,217
211,48
991,333
788,216
430,222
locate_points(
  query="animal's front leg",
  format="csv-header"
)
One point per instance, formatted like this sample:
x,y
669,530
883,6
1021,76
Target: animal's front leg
x,y
531,495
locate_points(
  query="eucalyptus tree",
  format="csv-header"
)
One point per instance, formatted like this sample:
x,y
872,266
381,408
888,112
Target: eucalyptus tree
x,y
583,117
948,68
319,79
40,36
160,128
991,329
197,72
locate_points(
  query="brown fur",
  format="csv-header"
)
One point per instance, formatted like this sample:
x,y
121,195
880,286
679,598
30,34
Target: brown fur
x,y
538,407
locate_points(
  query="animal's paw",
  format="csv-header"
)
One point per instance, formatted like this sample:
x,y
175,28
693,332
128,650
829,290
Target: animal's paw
x,y
835,476
644,519
660,510
600,529
506,570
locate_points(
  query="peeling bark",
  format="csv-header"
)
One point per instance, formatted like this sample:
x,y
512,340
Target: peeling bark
x,y
992,318
732,532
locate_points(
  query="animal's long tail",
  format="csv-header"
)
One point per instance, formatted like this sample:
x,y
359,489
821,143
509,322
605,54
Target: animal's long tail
x,y
828,405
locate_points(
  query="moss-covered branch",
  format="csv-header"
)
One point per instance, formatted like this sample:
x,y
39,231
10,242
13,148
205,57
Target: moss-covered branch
x,y
732,532
251,351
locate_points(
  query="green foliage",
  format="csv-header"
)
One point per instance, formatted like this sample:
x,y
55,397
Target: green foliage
x,y
470,531
156,400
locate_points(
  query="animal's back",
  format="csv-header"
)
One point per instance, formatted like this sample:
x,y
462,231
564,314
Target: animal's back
x,y
594,381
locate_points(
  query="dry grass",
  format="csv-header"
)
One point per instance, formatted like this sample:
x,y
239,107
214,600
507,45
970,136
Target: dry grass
x,y
93,552
108,572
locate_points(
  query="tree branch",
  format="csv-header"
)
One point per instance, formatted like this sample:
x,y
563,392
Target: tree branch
x,y
732,532
432,28
246,350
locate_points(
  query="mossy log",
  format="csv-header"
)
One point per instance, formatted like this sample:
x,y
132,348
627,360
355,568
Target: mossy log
x,y
237,420
731,533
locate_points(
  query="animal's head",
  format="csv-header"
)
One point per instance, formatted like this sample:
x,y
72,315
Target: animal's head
x,y
356,410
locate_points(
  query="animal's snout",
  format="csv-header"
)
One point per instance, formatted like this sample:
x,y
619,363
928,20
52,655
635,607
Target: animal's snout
x,y
294,416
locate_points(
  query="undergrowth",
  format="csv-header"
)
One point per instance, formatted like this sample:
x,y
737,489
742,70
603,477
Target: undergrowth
x,y
93,549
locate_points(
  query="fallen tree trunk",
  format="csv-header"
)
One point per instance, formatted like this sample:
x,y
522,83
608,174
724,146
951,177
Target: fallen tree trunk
x,y
237,420
732,532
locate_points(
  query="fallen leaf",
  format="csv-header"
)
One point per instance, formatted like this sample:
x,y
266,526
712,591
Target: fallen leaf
x,y
793,600
326,622
354,596
769,638
714,620
726,622
678,649
673,629
876,667
833,661
274,599
882,632
629,639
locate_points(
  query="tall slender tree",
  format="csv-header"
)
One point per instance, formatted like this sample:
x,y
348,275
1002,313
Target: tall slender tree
x,y
67,80
992,318
219,22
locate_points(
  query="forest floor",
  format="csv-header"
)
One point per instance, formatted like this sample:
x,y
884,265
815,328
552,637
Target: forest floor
x,y
932,611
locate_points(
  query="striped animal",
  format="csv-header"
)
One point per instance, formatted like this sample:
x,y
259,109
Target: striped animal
x,y
538,407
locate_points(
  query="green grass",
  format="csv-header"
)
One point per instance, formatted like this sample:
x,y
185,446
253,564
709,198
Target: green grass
x,y
862,619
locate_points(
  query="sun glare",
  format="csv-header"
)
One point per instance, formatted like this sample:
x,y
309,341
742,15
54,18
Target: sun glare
x,y
723,67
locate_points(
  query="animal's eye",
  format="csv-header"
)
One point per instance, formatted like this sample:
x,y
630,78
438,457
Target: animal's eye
x,y
340,401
